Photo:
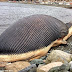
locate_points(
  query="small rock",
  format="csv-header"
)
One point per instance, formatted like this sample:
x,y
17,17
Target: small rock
x,y
62,68
1,70
65,66
47,67
58,56
40,65
43,58
55,69
8,71
17,66
3,64
31,68
37,61
70,66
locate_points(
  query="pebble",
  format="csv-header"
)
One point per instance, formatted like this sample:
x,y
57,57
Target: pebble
x,y
37,61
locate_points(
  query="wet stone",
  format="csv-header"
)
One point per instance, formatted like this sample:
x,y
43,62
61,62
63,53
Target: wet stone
x,y
44,57
62,68
37,61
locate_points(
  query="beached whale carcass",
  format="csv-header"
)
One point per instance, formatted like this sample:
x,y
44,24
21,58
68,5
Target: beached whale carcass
x,y
30,34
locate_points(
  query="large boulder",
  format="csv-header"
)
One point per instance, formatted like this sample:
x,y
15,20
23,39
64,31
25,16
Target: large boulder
x,y
58,56
62,68
47,67
17,66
